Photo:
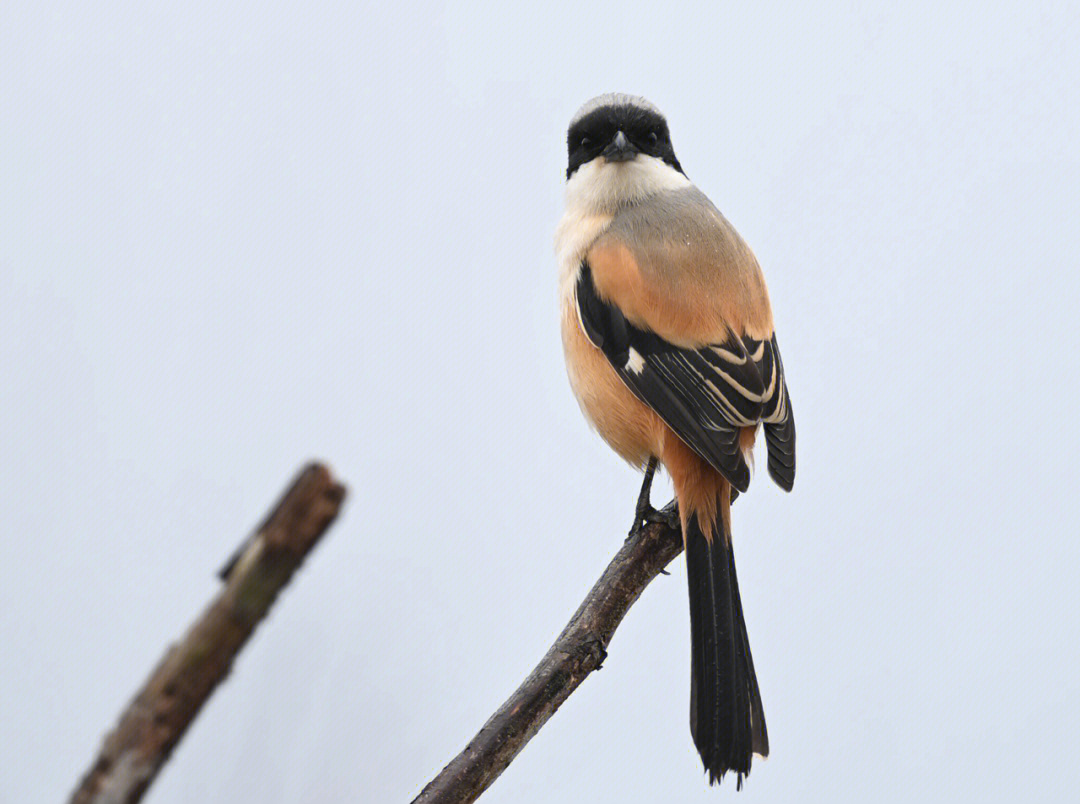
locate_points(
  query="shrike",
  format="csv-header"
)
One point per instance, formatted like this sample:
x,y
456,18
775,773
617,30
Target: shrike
x,y
670,348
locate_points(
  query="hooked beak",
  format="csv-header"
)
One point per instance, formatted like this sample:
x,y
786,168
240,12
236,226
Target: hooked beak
x,y
620,149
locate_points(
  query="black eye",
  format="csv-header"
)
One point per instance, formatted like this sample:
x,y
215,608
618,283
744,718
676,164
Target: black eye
x,y
586,142
653,137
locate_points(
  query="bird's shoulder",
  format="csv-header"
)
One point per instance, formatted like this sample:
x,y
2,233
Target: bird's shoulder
x,y
676,266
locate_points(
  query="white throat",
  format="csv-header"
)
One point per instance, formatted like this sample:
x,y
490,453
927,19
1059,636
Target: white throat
x,y
600,186
596,191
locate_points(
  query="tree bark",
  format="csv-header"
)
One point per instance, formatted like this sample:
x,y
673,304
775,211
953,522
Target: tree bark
x,y
155,721
579,649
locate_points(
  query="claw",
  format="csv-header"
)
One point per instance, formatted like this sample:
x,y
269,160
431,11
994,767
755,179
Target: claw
x,y
665,516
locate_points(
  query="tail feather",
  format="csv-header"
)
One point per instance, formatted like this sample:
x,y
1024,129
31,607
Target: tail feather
x,y
759,734
726,717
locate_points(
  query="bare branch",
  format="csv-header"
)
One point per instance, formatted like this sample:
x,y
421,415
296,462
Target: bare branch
x,y
579,650
155,721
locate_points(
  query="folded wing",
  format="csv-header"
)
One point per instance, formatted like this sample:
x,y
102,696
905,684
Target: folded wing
x,y
706,395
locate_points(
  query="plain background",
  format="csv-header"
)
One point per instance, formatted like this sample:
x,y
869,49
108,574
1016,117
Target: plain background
x,y
232,240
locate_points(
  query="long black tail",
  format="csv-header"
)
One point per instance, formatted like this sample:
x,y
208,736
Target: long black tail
x,y
726,718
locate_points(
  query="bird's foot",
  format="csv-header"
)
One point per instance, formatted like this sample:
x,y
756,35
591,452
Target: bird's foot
x,y
645,514
669,517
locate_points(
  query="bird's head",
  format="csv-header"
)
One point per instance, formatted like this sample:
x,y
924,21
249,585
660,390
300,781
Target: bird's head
x,y
619,150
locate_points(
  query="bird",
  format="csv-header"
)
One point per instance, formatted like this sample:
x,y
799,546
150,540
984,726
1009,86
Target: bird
x,y
670,349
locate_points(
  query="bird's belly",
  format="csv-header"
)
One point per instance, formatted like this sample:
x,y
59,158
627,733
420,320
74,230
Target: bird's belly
x,y
628,425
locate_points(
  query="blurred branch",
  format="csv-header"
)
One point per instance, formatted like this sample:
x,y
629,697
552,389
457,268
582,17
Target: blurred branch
x,y
579,649
155,721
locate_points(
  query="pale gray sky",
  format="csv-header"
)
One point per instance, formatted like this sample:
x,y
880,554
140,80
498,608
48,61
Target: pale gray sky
x,y
231,240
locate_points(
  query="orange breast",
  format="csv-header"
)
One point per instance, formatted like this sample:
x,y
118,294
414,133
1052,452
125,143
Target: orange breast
x,y
621,419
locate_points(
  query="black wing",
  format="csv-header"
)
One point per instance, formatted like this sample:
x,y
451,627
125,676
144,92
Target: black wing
x,y
705,395
779,423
